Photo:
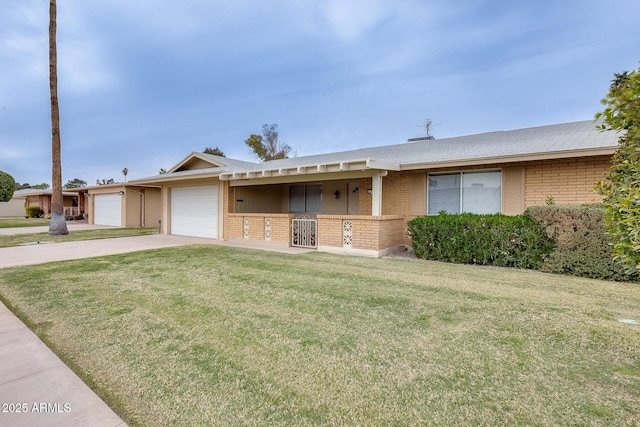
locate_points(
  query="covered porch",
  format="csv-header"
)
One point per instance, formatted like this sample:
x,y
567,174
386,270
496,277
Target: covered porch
x,y
349,234
338,212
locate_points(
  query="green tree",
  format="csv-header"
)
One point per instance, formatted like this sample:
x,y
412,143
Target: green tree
x,y
7,186
215,151
621,191
22,186
268,145
125,172
75,183
58,224
41,186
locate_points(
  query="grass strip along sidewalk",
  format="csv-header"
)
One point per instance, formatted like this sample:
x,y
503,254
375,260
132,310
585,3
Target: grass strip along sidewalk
x,y
74,236
210,335
16,222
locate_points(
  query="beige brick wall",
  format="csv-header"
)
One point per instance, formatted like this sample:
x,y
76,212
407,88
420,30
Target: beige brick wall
x,y
365,200
280,226
330,230
368,233
396,200
568,181
233,226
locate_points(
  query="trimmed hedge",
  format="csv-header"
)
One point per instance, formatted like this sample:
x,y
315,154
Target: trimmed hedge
x,y
583,246
500,240
34,211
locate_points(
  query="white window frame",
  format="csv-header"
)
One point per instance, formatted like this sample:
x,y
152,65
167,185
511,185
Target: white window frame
x,y
461,173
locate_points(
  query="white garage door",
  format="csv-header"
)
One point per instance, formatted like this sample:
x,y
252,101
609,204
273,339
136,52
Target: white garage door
x,y
107,209
194,211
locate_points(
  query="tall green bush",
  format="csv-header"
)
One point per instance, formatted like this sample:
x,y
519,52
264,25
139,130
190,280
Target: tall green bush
x,y
7,186
34,211
509,241
583,246
621,191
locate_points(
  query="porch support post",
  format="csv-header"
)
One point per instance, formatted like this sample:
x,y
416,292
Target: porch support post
x,y
376,193
164,224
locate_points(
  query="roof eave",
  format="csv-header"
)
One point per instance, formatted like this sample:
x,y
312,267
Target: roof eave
x,y
328,167
601,151
169,177
197,155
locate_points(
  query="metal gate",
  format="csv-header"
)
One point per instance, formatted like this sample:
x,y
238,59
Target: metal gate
x,y
304,232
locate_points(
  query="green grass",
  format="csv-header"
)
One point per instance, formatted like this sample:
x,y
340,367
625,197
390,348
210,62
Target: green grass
x,y
21,239
209,335
15,222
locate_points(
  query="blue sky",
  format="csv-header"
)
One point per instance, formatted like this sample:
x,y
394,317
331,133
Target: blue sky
x,y
143,83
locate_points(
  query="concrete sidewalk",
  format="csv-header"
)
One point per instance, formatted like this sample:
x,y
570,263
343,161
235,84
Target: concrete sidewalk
x,y
36,388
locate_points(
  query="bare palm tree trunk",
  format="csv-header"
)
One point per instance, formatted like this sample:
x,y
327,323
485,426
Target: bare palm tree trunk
x,y
57,226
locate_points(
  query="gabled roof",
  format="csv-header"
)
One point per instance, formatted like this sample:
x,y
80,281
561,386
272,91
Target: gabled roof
x,y
544,142
577,139
197,160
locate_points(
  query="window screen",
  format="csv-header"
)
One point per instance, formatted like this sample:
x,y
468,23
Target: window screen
x,y
481,192
474,192
444,193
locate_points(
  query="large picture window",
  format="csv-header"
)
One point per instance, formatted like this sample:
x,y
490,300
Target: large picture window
x,y
305,198
473,192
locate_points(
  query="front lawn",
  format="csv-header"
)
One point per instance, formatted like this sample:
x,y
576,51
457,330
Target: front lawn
x,y
210,335
74,235
15,222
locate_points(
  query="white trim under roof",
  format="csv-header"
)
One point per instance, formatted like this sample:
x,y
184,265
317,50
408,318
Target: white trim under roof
x,y
197,155
328,167
550,155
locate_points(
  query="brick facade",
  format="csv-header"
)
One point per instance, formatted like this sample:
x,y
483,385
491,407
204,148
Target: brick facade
x,y
234,226
568,181
369,233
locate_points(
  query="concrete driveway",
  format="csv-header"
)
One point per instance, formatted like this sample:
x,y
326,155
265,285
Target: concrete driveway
x,y
40,253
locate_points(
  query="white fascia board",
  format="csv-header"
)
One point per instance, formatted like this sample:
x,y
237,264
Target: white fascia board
x,y
383,165
317,168
550,155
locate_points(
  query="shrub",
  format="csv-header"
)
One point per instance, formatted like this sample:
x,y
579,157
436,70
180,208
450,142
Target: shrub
x,y
509,241
34,212
583,246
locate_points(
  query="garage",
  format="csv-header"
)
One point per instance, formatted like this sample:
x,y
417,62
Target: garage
x,y
107,209
194,211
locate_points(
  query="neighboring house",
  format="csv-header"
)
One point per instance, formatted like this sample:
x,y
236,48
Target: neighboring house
x,y
122,205
359,201
42,199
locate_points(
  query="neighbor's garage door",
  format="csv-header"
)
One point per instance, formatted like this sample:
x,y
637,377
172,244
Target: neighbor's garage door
x,y
107,209
194,211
